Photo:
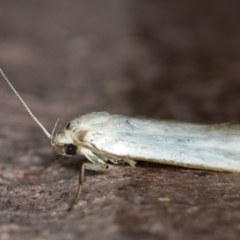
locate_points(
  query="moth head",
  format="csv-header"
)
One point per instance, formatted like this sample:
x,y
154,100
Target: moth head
x,y
64,142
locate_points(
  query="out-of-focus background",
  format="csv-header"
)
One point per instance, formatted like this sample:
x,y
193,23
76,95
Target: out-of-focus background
x,y
165,59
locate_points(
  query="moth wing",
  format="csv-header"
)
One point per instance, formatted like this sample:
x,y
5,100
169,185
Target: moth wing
x,y
213,147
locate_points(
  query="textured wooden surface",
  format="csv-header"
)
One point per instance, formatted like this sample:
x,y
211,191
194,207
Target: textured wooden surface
x,y
153,58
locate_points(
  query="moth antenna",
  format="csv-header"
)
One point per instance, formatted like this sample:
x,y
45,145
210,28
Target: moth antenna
x,y
25,105
53,131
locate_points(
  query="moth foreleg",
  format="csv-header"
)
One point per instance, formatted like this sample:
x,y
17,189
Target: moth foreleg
x,y
49,165
93,157
88,166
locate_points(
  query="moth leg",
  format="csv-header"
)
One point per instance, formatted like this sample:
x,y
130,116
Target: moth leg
x,y
104,158
116,161
49,165
93,157
88,166
132,163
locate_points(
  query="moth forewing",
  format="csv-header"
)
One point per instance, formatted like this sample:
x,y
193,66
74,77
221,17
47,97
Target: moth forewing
x,y
213,147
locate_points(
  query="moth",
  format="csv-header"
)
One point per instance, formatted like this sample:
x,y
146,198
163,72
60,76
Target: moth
x,y
102,137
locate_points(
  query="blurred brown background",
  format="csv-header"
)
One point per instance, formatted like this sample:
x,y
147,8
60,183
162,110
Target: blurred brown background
x,y
166,59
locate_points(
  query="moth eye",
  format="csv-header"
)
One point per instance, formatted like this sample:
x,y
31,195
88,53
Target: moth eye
x,y
71,149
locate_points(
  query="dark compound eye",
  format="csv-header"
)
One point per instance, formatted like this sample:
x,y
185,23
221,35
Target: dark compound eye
x,y
71,149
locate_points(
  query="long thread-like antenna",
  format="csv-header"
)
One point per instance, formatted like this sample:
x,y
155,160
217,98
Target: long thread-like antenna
x,y
25,105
